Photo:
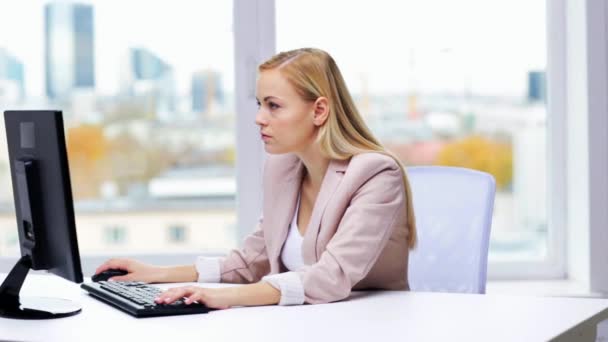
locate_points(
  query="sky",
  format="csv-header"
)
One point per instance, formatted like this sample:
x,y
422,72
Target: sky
x,y
486,46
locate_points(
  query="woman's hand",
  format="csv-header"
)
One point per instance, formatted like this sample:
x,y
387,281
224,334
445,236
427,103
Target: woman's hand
x,y
260,293
138,271
222,298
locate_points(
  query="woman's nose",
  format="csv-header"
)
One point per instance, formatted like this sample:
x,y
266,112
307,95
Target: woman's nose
x,y
260,118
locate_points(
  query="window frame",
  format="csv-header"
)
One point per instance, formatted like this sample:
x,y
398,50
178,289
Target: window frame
x,y
587,173
554,265
566,31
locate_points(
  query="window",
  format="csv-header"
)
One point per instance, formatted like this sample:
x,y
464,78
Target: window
x,y
115,235
150,109
449,87
149,113
177,234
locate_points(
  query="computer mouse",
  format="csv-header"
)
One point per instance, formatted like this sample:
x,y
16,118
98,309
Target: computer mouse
x,y
107,274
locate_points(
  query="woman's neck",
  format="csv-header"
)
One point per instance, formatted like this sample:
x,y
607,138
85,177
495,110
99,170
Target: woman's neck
x,y
316,166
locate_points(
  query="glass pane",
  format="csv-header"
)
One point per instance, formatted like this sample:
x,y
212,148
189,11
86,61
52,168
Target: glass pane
x,y
448,83
146,89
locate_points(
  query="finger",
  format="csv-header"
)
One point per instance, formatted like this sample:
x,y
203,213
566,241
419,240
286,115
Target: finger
x,y
195,297
102,267
112,263
126,277
182,293
173,294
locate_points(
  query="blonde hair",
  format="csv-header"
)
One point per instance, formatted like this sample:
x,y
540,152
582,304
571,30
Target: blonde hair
x,y
314,73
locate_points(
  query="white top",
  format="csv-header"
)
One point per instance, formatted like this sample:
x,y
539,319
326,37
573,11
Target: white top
x,y
289,283
291,255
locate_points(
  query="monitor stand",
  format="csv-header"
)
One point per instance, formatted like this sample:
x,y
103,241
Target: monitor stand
x,y
14,306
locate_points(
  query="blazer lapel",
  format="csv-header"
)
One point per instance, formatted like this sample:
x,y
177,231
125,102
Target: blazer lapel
x,y
331,180
284,206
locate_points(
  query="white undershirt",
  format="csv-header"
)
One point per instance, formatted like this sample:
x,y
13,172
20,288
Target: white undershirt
x,y
292,249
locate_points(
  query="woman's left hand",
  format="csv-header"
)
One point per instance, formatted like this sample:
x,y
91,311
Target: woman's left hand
x,y
221,298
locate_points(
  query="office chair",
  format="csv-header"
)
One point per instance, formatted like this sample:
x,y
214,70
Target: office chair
x,y
453,208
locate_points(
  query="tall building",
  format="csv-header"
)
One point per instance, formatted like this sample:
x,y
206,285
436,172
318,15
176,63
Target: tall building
x,y
12,78
206,91
69,48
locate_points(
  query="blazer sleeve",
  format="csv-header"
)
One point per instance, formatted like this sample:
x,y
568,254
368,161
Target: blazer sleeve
x,y
362,234
243,266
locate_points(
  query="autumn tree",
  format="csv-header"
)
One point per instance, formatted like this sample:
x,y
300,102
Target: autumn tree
x,y
480,153
87,148
131,161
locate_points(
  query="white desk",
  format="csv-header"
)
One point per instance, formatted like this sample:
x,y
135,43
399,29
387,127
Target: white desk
x,y
370,316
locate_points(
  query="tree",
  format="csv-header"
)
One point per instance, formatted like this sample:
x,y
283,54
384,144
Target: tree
x,y
87,148
131,161
483,154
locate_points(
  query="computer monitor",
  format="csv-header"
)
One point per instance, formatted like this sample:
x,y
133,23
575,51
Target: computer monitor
x,y
44,210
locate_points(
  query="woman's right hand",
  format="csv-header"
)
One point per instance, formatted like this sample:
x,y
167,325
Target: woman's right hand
x,y
138,271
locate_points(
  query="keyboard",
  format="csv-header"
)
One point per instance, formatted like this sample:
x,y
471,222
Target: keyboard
x,y
137,299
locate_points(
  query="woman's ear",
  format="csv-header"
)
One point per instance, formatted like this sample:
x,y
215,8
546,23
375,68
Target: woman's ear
x,y
321,111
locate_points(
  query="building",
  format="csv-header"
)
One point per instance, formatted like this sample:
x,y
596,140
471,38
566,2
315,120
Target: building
x,y
128,226
145,65
183,211
149,78
69,49
537,86
207,92
12,78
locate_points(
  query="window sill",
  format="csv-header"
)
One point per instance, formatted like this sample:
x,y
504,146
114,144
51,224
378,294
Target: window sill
x,y
550,288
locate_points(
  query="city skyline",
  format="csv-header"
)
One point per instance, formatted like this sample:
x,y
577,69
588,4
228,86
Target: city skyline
x,y
446,54
211,26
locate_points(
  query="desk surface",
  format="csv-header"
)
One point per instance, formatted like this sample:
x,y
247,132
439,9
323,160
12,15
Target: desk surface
x,y
366,316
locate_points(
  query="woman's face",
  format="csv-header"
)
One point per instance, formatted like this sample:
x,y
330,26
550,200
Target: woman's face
x,y
287,122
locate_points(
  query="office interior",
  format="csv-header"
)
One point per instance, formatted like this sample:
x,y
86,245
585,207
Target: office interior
x,y
165,157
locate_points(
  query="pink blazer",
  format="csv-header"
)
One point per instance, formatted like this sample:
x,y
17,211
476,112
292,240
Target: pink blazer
x,y
356,238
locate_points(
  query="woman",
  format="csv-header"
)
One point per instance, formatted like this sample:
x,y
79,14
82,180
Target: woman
x,y
337,210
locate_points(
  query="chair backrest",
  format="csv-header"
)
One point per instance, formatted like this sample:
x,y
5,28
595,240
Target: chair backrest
x,y
453,208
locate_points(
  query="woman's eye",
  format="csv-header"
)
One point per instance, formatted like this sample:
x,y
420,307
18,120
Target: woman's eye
x,y
258,104
273,105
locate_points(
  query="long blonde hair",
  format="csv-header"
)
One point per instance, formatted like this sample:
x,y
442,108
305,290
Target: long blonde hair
x,y
314,73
